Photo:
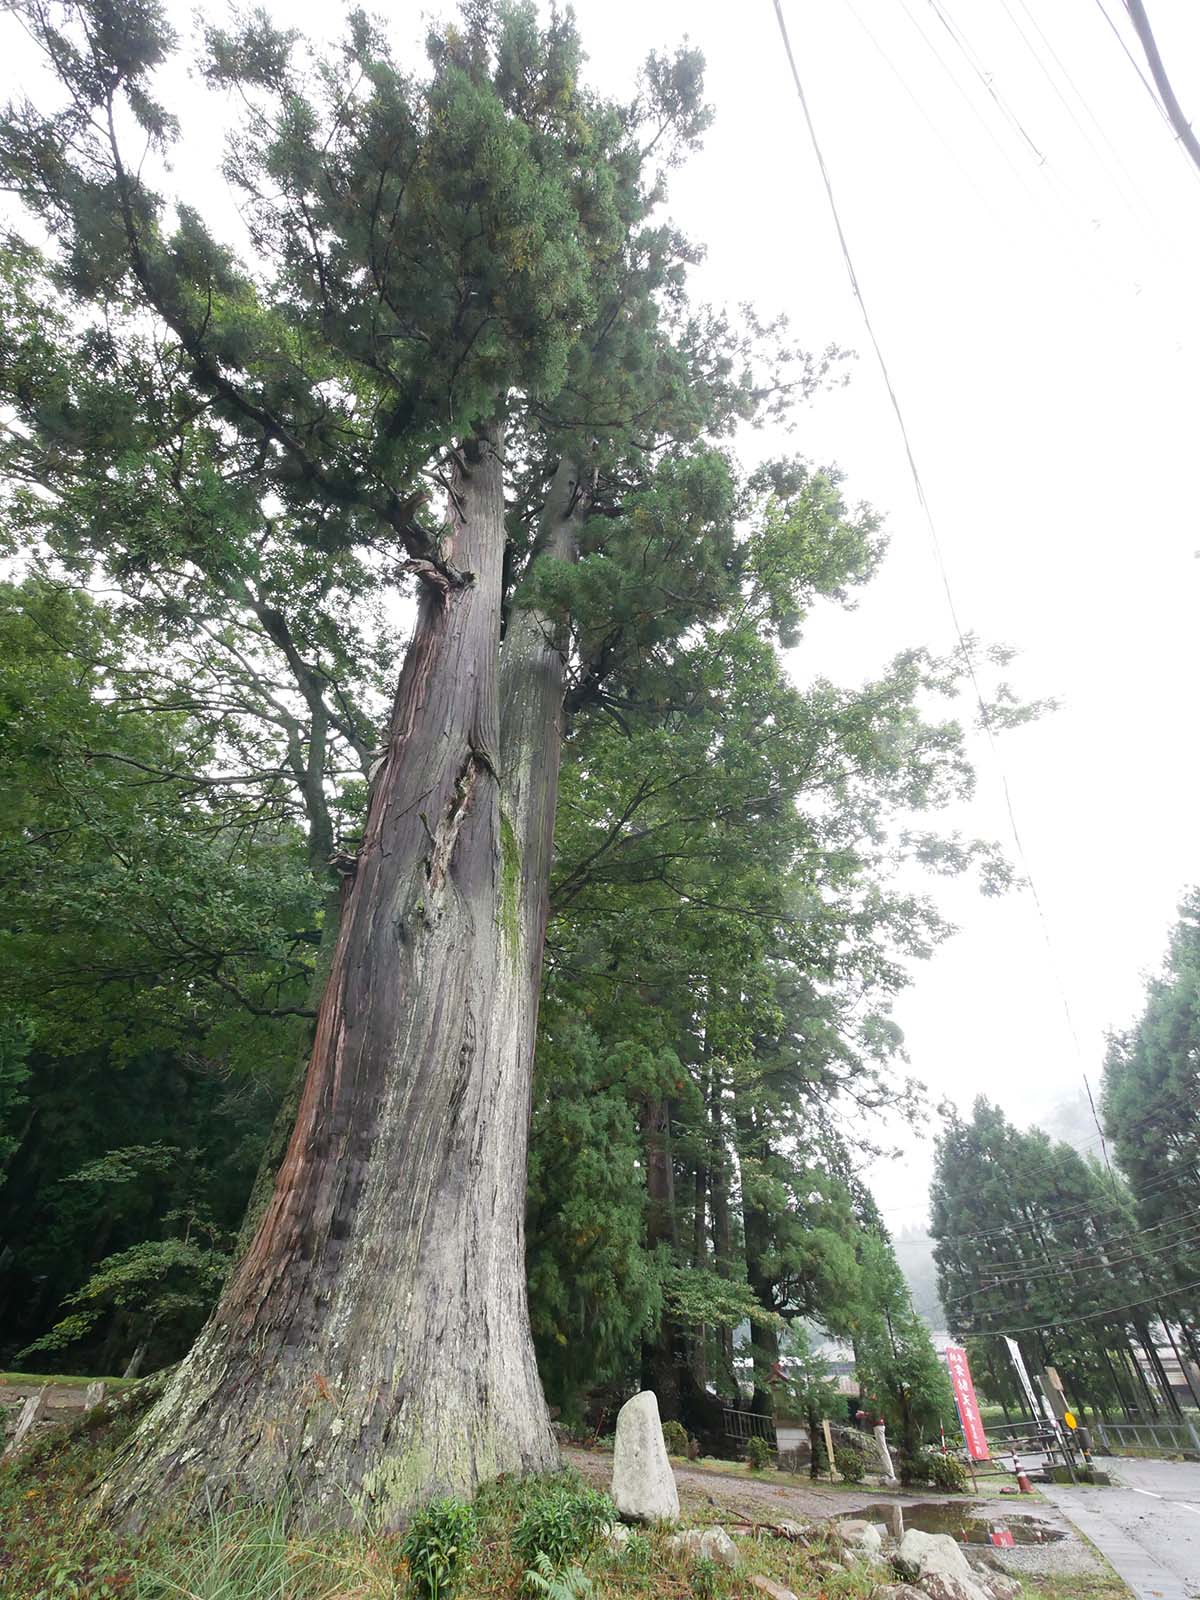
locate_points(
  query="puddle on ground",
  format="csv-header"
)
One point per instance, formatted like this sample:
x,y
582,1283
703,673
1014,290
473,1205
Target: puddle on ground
x,y
963,1523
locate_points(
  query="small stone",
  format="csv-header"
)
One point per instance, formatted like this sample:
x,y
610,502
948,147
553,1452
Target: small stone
x,y
706,1544
1002,1587
774,1591
616,1537
643,1485
866,1536
716,1545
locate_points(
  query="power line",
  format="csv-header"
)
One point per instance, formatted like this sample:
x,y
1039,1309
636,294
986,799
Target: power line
x,y
1065,205
1146,84
921,110
1091,1316
1118,1242
1129,192
1181,125
1140,212
1075,90
1089,1261
1103,1147
1057,1162
919,486
985,77
1076,1210
1049,1166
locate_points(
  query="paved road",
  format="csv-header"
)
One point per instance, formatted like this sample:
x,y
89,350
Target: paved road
x,y
1148,1524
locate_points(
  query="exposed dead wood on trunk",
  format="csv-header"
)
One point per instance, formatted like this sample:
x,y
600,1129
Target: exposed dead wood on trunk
x,y
372,1348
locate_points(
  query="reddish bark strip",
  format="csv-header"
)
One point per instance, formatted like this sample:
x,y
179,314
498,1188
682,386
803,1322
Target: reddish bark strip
x,y
373,1347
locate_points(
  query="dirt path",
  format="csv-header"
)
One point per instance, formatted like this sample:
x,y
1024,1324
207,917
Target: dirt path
x,y
745,1499
715,1496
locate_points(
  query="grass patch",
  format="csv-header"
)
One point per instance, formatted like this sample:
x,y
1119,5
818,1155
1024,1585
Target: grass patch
x,y
1077,1586
37,1379
51,1550
787,1480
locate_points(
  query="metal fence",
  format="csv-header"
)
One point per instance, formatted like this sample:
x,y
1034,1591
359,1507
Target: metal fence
x,y
1033,1444
1123,1438
743,1425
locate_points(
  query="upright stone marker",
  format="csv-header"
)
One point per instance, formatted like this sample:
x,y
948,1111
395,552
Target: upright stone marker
x,y
643,1485
32,1412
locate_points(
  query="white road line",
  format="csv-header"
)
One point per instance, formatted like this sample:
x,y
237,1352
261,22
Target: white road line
x,y
1149,1492
1184,1505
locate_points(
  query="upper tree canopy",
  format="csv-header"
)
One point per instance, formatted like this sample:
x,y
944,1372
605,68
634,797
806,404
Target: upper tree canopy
x,y
426,255
429,255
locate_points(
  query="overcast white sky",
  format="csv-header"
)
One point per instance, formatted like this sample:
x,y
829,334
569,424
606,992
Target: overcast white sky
x,y
1027,234
1040,319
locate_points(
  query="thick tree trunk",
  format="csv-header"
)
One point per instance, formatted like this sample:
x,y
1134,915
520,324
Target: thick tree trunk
x,y
756,1228
372,1348
662,1353
700,1260
279,1136
532,720
722,1220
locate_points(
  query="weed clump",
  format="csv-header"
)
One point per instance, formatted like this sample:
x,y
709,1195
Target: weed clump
x,y
437,1546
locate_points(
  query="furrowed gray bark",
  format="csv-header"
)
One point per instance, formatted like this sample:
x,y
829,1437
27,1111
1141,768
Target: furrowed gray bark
x,y
372,1349
532,723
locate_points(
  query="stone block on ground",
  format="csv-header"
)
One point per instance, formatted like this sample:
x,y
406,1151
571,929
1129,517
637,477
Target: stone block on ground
x,y
937,1565
643,1485
1001,1587
865,1536
706,1544
35,1408
773,1591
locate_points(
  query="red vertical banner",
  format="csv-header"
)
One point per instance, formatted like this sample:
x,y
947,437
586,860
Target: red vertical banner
x,y
968,1406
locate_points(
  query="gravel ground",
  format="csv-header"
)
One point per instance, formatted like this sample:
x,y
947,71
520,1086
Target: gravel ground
x,y
1070,1555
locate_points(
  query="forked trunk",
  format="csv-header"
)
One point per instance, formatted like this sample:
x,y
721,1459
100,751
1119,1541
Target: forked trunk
x,y
532,717
372,1349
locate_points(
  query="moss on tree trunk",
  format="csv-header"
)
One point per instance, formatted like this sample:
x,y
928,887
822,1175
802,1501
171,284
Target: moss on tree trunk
x,y
373,1346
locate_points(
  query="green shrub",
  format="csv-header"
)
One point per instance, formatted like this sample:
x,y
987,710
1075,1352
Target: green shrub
x,y
758,1453
562,1520
437,1547
948,1473
675,1438
850,1463
914,1469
